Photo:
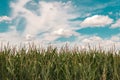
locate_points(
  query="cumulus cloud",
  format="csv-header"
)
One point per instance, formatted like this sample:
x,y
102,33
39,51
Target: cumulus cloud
x,y
65,33
96,41
116,25
96,21
4,18
116,38
46,20
12,37
84,41
55,34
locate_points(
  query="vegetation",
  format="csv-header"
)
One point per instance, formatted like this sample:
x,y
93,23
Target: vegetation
x,y
54,64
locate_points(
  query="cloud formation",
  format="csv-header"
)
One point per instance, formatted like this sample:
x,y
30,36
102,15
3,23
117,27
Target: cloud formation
x,y
4,18
116,25
47,20
96,21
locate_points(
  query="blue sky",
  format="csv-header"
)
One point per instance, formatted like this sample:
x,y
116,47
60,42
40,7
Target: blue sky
x,y
60,21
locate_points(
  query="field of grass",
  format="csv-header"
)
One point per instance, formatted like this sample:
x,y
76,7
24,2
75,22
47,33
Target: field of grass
x,y
65,64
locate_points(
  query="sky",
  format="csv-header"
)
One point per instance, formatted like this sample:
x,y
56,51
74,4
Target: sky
x,y
76,22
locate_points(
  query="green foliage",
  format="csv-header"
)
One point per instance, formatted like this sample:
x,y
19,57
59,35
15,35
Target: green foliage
x,y
52,64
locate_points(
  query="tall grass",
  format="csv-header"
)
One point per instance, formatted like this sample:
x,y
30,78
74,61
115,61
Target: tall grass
x,y
54,64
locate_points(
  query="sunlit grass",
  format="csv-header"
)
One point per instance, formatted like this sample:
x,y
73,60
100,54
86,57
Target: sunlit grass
x,y
62,64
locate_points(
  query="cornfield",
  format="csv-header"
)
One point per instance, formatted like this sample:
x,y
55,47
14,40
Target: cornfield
x,y
54,64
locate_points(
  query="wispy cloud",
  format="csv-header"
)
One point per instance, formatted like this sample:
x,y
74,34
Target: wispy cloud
x,y
52,17
4,18
45,22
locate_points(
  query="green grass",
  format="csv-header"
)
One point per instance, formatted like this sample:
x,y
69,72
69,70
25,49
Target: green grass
x,y
52,64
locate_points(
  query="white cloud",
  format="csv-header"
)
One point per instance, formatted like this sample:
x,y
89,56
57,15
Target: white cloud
x,y
4,18
55,34
116,38
116,25
29,37
96,21
65,33
50,22
53,16
12,37
95,42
